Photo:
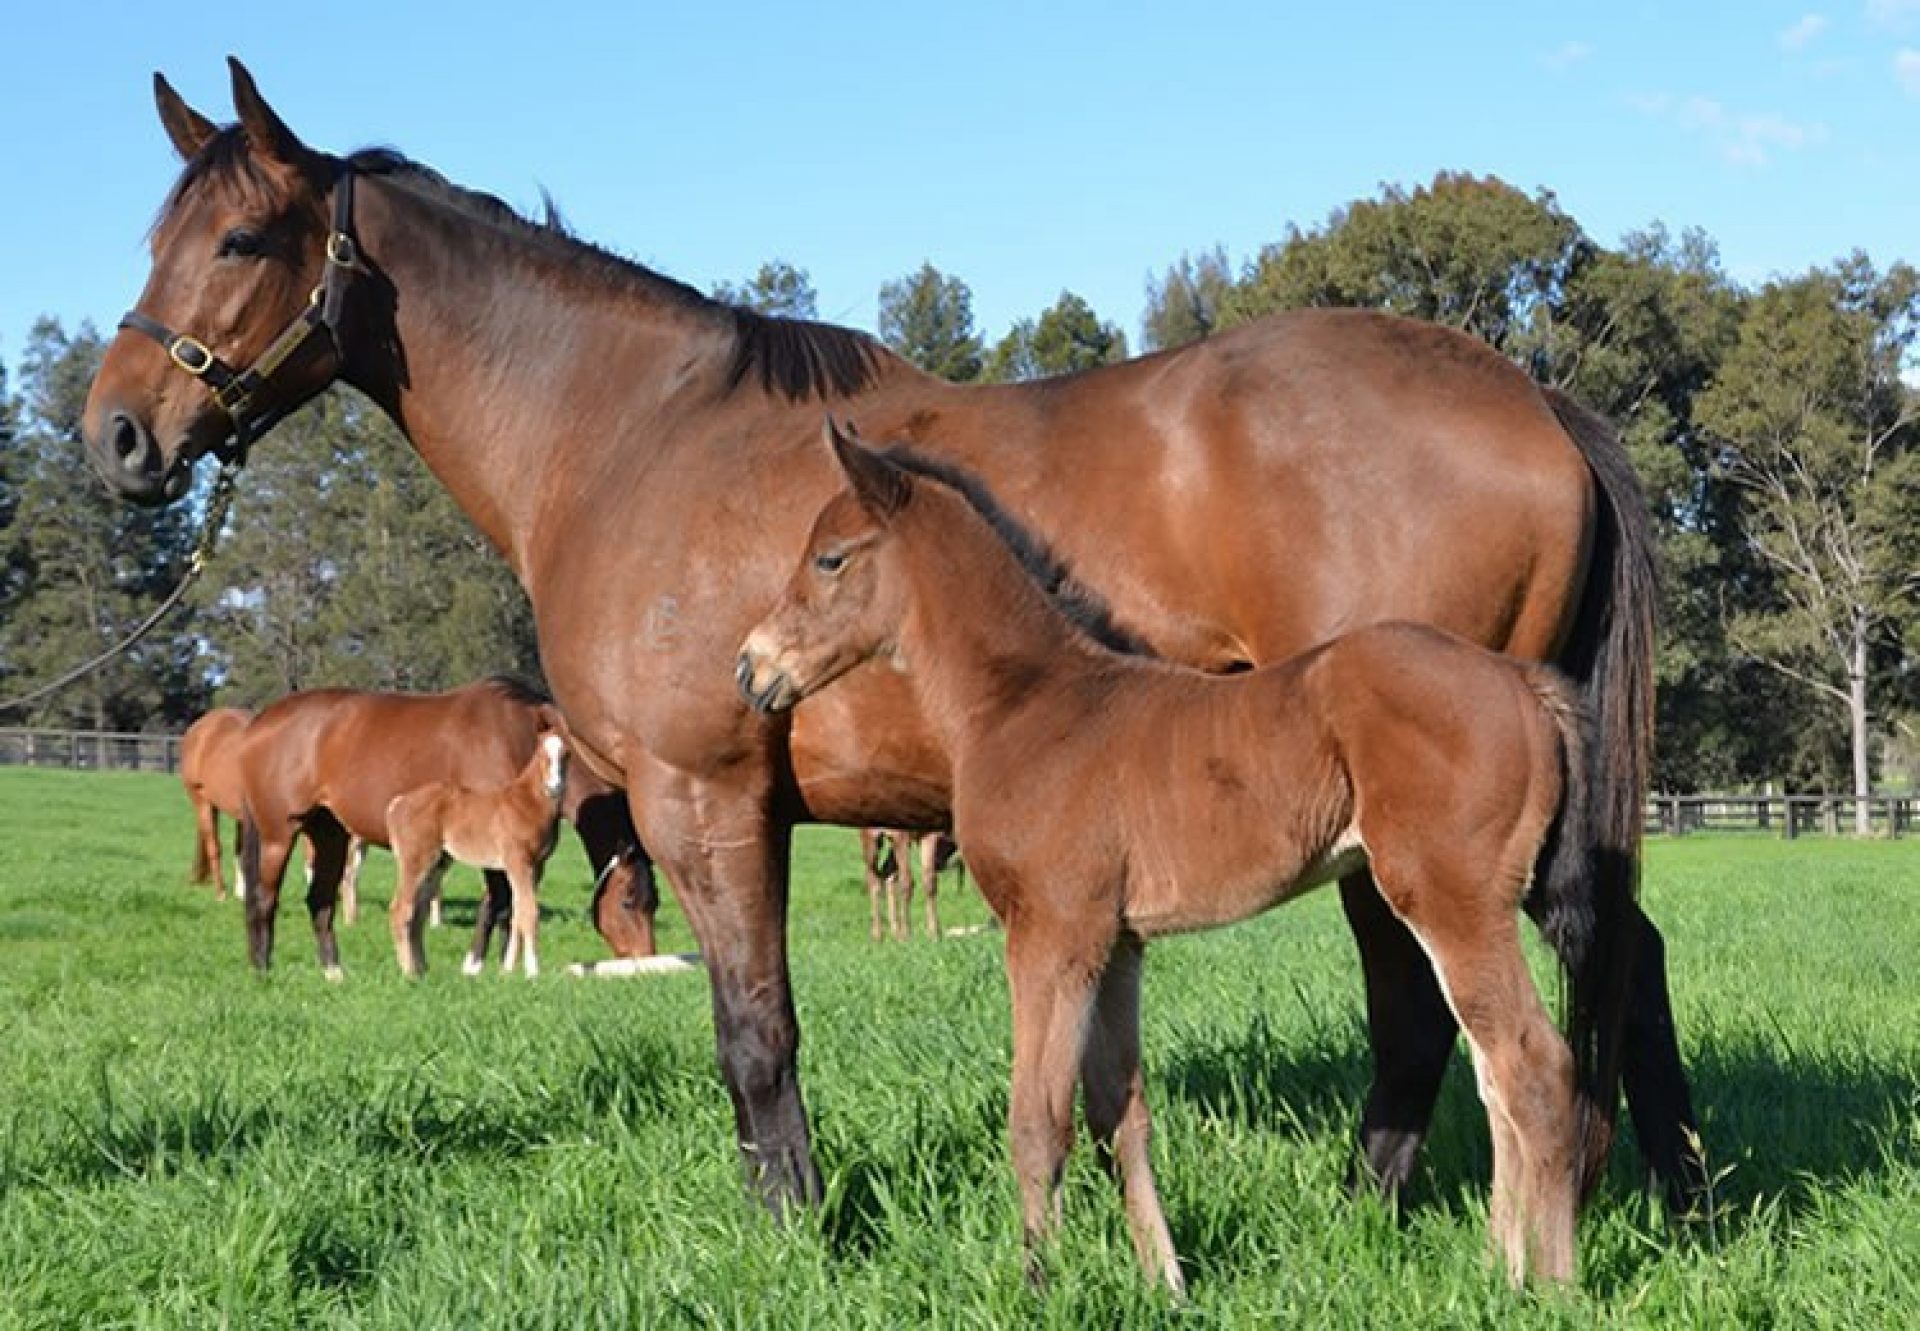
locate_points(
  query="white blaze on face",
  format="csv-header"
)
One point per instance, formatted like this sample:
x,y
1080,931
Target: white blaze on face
x,y
556,763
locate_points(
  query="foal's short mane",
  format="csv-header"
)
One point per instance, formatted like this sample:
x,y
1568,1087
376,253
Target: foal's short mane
x,y
1084,607
797,358
515,689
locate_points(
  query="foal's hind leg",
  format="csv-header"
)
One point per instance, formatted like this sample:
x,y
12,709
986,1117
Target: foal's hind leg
x,y
930,880
1523,1066
418,867
1116,1105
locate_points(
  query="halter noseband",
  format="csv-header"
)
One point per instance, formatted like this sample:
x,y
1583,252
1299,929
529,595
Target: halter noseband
x,y
243,394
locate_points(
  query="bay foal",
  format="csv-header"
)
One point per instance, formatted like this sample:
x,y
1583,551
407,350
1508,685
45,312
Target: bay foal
x,y
510,829
1105,798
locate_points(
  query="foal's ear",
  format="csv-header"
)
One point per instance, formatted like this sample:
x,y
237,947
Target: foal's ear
x,y
878,483
186,127
267,132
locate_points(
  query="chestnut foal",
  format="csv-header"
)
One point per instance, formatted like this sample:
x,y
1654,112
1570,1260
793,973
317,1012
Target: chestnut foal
x,y
1105,798
511,829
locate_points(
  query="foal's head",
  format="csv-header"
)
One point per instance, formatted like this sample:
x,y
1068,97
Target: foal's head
x,y
846,601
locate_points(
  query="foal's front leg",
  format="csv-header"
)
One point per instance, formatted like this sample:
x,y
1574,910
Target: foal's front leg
x,y
1117,1117
1052,970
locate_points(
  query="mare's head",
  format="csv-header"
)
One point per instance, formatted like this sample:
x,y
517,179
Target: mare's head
x,y
846,601
240,250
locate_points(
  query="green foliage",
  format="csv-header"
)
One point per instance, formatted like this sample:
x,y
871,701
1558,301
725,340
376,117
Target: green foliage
x,y
927,317
184,1144
1067,337
83,568
1817,431
1473,253
1189,301
778,288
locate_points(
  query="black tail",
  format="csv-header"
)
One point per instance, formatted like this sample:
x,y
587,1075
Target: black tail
x,y
1589,876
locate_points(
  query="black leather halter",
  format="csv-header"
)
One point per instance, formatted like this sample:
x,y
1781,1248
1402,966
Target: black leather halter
x,y
246,395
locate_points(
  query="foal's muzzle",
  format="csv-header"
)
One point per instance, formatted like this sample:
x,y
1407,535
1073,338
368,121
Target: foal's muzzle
x,y
777,694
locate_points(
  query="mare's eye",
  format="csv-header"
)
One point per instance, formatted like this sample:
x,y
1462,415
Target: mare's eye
x,y
829,563
241,243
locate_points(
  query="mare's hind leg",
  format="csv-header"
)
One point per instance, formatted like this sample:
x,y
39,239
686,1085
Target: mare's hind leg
x,y
328,842
496,904
1116,1105
1522,1065
1412,1033
900,888
1052,969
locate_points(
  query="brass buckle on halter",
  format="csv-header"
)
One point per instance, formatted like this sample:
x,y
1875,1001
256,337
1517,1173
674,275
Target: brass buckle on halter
x,y
341,251
190,354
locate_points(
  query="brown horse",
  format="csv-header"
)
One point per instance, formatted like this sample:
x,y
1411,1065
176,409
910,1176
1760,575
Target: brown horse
x,y
644,459
886,859
325,765
508,829
210,770
1107,798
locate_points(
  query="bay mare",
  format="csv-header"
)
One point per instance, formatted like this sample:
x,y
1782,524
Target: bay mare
x,y
645,459
1106,798
325,764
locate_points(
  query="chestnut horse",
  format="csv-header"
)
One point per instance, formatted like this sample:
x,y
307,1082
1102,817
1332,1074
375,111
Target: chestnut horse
x,y
508,829
325,764
886,859
210,770
644,459
1108,798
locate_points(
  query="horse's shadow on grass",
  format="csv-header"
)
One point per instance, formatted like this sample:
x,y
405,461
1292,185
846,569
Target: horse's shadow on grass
x,y
1777,1129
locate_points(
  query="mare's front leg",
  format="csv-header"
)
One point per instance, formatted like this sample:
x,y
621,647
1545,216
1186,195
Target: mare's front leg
x,y
265,850
1117,1118
496,904
1053,966
328,861
728,860
1412,1032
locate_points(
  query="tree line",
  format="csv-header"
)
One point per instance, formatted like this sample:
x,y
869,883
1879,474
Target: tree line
x,y
1774,428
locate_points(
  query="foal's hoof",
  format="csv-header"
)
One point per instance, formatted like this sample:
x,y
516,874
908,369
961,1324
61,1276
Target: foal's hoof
x,y
334,975
473,966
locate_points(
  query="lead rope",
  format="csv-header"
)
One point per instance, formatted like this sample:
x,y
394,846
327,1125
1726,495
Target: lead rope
x,y
218,502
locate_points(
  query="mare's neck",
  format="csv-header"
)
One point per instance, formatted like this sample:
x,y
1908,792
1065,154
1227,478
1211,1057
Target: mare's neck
x,y
501,362
981,640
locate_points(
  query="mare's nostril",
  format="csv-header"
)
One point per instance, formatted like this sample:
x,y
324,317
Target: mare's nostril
x,y
125,439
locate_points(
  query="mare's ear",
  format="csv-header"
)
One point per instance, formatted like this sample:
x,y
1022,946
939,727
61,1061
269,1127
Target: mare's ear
x,y
878,483
186,127
267,132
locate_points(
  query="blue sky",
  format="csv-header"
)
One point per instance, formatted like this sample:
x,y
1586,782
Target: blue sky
x,y
1026,148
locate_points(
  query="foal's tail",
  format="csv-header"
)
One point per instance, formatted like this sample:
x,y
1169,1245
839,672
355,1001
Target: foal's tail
x,y
1588,879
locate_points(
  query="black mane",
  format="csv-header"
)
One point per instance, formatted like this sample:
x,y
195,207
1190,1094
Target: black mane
x,y
1081,604
796,358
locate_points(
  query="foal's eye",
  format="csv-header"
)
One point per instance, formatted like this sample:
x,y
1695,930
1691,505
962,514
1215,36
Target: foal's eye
x,y
241,243
830,562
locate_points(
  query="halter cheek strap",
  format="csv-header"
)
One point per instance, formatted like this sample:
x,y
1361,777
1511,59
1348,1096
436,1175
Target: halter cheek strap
x,y
245,395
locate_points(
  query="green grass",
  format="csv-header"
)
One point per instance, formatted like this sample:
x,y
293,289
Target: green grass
x,y
185,1144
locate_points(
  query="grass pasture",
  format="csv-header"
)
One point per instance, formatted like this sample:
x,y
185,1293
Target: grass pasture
x,y
185,1144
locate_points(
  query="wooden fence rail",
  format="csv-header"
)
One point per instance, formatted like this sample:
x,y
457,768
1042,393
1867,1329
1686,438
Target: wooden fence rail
x,y
1788,816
